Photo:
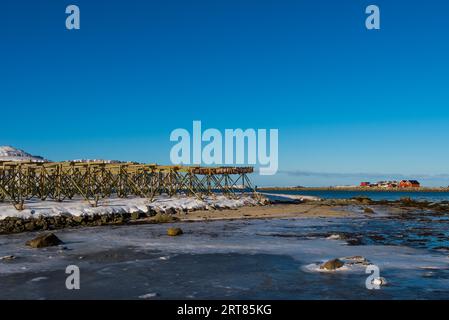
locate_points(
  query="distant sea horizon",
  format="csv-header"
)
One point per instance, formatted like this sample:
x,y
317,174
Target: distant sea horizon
x,y
421,194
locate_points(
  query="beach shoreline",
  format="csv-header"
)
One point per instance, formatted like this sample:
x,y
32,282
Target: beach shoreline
x,y
271,211
50,215
357,188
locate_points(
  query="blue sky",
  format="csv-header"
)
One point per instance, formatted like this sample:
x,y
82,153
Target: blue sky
x,y
350,104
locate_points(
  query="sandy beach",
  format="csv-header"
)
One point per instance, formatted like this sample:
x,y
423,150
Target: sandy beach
x,y
269,211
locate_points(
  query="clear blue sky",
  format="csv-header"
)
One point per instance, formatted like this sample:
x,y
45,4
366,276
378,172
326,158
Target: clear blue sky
x,y
350,104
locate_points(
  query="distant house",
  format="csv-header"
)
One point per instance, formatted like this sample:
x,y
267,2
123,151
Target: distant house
x,y
387,184
381,184
409,184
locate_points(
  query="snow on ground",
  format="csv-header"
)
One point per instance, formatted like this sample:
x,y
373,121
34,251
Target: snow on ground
x,y
78,207
293,196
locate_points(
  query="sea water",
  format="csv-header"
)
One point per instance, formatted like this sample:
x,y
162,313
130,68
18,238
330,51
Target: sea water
x,y
374,195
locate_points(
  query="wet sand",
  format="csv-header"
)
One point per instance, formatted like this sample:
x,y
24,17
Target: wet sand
x,y
311,210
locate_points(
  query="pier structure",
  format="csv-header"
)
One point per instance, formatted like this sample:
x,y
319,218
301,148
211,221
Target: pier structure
x,y
93,181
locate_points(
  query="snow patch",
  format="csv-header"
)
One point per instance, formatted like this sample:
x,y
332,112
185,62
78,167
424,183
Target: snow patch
x,y
79,207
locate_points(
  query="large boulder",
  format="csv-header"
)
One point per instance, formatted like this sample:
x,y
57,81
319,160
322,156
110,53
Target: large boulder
x,y
362,199
368,210
44,240
332,264
174,232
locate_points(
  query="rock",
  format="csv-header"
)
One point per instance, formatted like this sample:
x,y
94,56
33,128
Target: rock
x,y
151,212
6,258
170,211
355,260
44,240
174,232
119,219
368,210
135,215
407,201
179,211
30,226
332,264
354,242
163,218
78,219
104,219
361,199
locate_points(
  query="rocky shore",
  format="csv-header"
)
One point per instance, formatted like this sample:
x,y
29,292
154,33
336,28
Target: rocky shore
x,y
51,215
403,203
188,209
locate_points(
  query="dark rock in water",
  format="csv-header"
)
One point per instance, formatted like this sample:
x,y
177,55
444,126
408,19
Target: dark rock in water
x,y
355,260
332,264
368,210
411,202
44,240
364,200
376,237
354,242
174,232
442,248
7,258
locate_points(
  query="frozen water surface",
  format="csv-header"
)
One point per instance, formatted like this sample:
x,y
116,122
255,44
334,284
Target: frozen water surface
x,y
250,259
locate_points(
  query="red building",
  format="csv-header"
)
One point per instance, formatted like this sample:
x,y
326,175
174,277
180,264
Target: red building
x,y
365,184
409,184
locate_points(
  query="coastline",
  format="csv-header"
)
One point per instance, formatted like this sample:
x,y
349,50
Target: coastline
x,y
188,209
242,211
52,215
269,258
363,189
287,242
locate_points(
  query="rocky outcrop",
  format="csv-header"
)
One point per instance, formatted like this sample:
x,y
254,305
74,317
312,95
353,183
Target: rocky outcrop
x,y
44,240
173,232
7,258
159,211
332,264
368,210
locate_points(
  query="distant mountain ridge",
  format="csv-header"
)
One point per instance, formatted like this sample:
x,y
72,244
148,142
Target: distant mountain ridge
x,y
8,153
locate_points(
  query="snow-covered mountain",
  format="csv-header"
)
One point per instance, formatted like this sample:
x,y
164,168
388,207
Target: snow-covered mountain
x,y
8,153
95,160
